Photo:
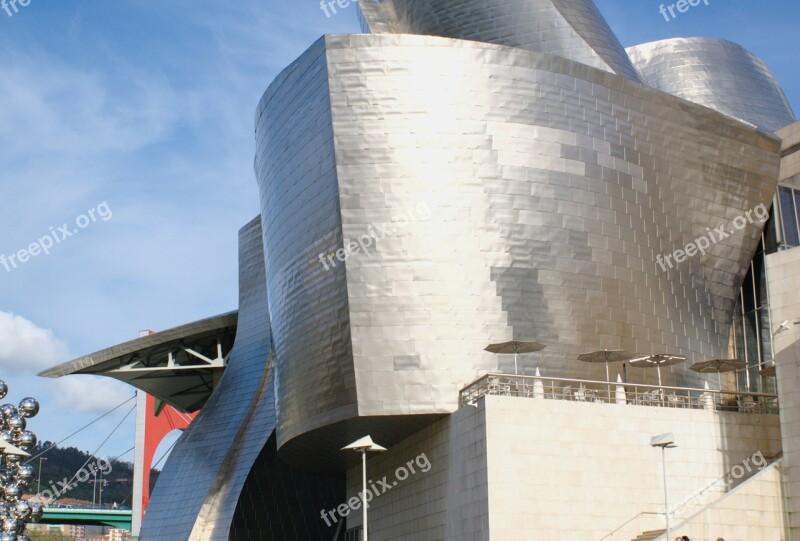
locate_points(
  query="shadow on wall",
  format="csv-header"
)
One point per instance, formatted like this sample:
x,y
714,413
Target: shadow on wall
x,y
278,499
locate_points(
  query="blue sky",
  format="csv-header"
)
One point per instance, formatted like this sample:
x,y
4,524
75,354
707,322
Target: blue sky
x,y
148,107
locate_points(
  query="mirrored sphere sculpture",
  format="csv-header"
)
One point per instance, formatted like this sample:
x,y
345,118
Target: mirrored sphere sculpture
x,y
15,513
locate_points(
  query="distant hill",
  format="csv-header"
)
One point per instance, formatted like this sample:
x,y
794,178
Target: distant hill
x,y
77,468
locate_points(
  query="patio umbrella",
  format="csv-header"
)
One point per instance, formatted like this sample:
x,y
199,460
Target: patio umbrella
x,y
657,361
719,366
606,356
516,347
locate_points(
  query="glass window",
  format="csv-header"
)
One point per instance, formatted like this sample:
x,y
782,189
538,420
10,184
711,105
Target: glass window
x,y
771,233
751,338
797,211
789,216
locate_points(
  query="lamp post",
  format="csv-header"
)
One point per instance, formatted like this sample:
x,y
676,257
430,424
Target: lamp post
x,y
39,481
665,441
362,446
102,484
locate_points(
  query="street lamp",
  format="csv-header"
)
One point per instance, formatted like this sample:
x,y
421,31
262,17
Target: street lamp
x,y
362,446
94,488
102,485
39,481
665,441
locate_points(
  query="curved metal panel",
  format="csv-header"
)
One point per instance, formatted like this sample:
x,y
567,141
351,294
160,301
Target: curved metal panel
x,y
296,170
197,492
550,189
573,29
718,74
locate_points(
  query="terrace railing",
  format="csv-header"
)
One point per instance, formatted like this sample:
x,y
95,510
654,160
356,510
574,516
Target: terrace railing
x,y
603,392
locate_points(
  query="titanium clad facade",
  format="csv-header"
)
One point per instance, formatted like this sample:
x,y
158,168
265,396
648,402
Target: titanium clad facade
x,y
301,214
197,492
507,194
718,74
573,29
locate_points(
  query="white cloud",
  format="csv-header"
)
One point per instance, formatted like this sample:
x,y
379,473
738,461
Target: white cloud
x,y
26,347
91,394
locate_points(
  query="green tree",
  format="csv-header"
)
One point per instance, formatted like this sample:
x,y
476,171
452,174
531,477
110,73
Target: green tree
x,y
49,535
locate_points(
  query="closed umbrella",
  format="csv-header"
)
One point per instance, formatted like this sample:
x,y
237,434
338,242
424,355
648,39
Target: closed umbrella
x,y
620,394
708,398
516,347
538,386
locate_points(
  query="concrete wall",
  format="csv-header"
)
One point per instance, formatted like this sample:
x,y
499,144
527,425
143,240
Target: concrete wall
x,y
560,470
790,164
784,292
450,501
752,511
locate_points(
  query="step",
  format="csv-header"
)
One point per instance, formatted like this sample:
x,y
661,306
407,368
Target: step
x,y
649,535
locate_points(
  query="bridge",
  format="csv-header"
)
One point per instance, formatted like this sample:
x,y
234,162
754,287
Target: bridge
x,y
115,518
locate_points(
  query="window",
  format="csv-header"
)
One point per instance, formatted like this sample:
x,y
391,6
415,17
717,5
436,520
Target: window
x,y
789,201
751,330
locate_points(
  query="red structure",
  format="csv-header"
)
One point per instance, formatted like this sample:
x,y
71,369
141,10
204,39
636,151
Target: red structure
x,y
159,419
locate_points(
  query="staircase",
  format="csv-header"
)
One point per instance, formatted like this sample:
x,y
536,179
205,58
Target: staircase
x,y
699,501
649,536
698,504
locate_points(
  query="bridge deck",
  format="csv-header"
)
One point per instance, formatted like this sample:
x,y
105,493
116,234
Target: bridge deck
x,y
95,517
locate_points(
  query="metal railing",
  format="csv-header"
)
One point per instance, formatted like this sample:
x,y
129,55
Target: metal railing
x,y
602,392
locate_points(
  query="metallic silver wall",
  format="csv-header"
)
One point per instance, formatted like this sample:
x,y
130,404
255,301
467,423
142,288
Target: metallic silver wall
x,y
510,194
301,214
718,74
573,29
199,487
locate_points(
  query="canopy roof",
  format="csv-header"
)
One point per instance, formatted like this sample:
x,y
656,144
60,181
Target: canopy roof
x,y
181,366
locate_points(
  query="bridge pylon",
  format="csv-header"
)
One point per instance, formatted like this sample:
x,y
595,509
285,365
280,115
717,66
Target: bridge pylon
x,y
154,420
